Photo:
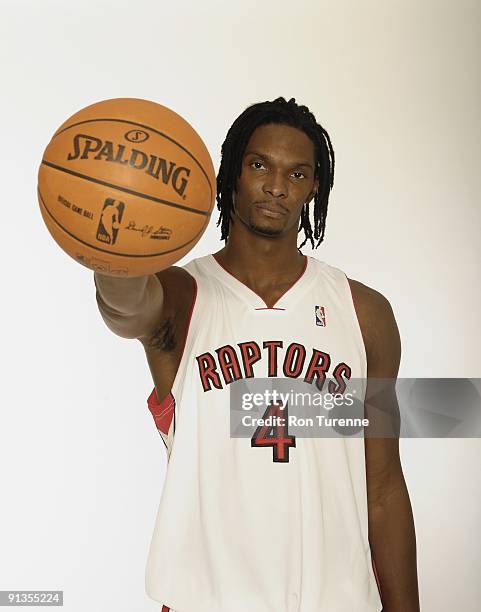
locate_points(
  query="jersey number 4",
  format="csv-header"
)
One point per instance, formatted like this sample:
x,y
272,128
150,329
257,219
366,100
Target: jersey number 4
x,y
275,433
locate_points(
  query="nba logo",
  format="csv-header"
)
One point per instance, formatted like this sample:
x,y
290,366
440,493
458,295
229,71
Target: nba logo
x,y
109,222
320,316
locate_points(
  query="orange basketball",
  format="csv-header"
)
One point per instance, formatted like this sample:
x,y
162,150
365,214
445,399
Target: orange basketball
x,y
126,187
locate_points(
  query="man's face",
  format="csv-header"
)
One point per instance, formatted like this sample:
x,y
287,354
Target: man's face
x,y
277,173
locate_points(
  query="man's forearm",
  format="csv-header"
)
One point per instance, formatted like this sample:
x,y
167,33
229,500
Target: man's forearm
x,y
393,545
121,294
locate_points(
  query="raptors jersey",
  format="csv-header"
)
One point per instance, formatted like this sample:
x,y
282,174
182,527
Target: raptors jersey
x,y
238,528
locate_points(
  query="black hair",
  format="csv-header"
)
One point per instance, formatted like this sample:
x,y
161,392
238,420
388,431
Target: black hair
x,y
281,112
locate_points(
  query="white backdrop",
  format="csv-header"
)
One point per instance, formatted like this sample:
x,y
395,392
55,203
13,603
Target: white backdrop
x,y
397,86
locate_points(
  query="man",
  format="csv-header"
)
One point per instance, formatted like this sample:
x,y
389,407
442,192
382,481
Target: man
x,y
270,522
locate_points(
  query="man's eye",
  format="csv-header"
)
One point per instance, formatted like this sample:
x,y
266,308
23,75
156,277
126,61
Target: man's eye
x,y
301,173
256,162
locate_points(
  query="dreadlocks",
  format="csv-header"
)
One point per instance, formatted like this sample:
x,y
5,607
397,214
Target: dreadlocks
x,y
232,151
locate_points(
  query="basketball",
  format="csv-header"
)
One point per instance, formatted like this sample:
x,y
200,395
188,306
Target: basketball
x,y
126,187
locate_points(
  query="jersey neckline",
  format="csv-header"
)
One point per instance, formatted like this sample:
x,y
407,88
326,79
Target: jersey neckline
x,y
253,298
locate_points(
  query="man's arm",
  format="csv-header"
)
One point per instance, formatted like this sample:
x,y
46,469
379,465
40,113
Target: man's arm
x,y
130,307
391,526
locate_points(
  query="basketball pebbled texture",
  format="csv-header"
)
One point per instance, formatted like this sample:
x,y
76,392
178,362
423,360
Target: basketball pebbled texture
x,y
126,186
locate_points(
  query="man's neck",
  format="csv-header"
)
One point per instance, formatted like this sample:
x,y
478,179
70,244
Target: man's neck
x,y
260,262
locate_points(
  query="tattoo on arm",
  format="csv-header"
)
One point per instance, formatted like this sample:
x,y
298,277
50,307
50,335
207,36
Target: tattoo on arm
x,y
163,338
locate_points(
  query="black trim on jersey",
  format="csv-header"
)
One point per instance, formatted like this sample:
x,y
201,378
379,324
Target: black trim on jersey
x,y
248,362
208,373
235,365
288,359
315,366
272,346
339,370
260,437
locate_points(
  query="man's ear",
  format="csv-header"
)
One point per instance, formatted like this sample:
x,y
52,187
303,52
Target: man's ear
x,y
314,190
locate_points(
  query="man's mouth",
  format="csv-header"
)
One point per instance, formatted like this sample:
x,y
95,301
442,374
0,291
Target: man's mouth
x,y
271,210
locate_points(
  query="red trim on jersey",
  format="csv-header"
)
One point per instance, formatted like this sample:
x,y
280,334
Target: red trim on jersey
x,y
165,609
352,296
357,314
288,288
163,411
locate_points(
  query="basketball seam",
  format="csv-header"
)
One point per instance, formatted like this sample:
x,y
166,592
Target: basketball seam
x,y
91,246
124,189
147,127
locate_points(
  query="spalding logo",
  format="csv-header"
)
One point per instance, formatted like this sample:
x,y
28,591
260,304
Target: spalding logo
x,y
157,167
136,136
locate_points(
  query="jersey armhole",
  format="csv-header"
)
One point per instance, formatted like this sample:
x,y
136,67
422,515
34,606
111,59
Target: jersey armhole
x,y
162,411
357,321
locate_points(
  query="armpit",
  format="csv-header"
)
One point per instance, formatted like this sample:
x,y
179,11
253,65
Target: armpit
x,y
163,338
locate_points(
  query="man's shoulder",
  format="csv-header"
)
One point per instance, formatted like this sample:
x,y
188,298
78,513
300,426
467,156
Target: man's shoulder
x,y
364,297
182,273
367,297
375,315
181,281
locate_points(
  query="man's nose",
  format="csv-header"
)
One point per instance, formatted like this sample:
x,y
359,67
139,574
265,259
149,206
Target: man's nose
x,y
275,184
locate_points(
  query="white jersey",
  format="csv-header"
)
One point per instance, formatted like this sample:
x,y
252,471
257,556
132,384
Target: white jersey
x,y
246,527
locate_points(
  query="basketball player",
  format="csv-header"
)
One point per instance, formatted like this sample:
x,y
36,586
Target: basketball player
x,y
268,523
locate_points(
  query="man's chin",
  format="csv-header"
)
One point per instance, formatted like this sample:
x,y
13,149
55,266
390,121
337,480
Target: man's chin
x,y
262,230
270,232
